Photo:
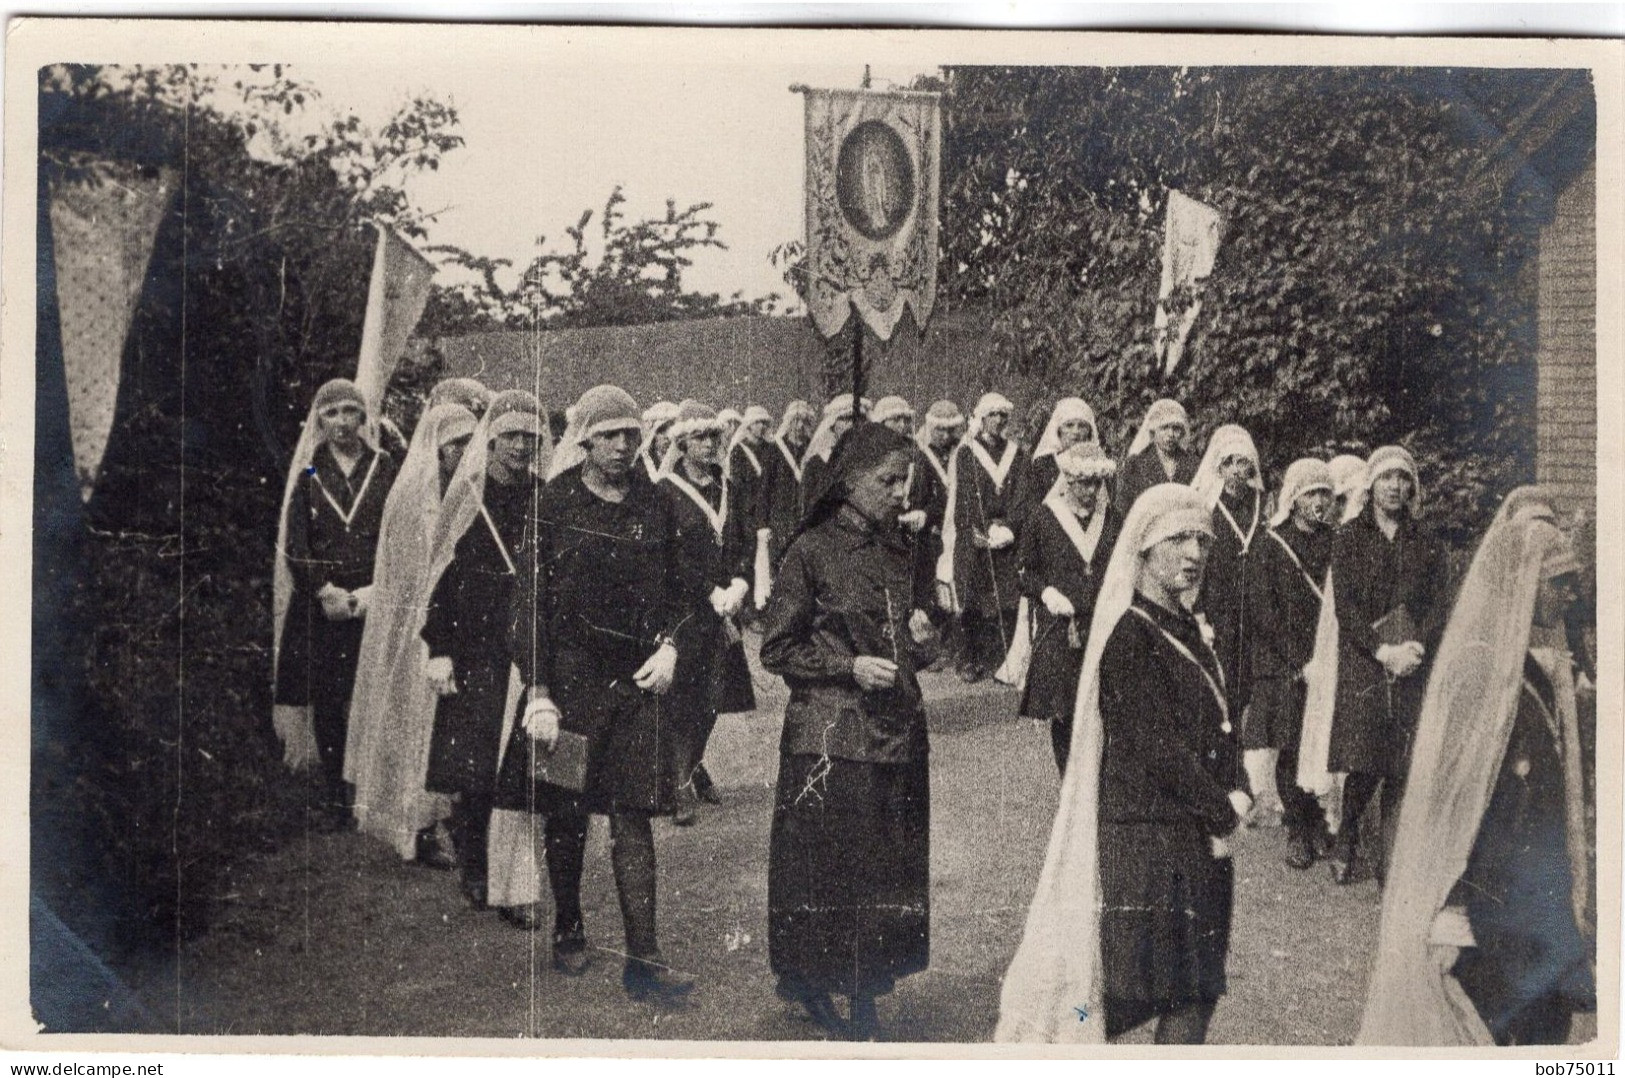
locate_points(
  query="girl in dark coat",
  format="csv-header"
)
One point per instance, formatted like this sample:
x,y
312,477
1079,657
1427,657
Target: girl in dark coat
x,y
989,477
1064,547
1391,605
717,543
781,466
1229,479
473,574
1157,454
849,859
333,511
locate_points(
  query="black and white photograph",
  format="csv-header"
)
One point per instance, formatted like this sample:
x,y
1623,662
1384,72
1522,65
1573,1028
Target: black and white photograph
x,y
824,543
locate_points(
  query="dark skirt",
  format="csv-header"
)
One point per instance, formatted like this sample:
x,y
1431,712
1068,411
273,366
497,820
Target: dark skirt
x,y
1274,719
467,738
631,762
1052,675
1165,919
849,875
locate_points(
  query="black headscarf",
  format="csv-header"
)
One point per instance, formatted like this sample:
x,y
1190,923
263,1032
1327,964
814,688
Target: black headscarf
x,y
862,447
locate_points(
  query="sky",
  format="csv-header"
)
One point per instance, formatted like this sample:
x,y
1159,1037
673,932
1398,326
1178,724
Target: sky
x,y
547,140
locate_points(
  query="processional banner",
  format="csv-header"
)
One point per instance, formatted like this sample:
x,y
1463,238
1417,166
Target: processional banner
x,y
399,289
872,194
1190,246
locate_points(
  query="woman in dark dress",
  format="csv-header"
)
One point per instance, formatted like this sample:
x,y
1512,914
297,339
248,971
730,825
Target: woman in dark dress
x,y
472,576
989,476
332,514
717,543
1157,454
1131,920
1230,479
1390,596
849,858
1064,547
1488,885
781,479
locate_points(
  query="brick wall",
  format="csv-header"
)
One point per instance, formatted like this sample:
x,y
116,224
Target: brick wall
x,y
1566,447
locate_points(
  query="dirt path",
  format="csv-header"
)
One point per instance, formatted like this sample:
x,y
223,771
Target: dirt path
x,y
334,935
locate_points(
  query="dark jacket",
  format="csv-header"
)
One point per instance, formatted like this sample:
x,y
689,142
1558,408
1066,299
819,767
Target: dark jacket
x,y
1167,757
1285,605
1224,595
986,578
845,590
1143,471
712,674
1049,559
1373,576
782,495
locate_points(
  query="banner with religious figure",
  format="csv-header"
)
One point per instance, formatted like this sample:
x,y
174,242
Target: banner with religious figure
x,y
872,193
102,229
1190,245
395,299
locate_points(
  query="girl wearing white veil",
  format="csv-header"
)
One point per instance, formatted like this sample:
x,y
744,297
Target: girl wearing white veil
x,y
1158,453
392,709
1230,481
836,420
1351,483
332,508
1108,942
1483,922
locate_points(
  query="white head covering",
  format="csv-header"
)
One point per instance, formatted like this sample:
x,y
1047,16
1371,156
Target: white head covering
x,y
392,707
942,414
1462,732
823,439
1066,410
469,392
796,409
293,724
1528,503
511,410
1350,481
1228,441
1393,458
601,409
1302,476
1057,967
1159,415
989,402
655,417
890,408
692,418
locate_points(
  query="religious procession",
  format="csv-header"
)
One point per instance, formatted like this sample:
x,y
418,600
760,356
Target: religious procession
x,y
1096,698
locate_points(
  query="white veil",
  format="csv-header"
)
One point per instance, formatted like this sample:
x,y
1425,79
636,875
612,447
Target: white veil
x,y
1066,409
1350,479
1228,440
1053,989
392,707
1160,414
1461,737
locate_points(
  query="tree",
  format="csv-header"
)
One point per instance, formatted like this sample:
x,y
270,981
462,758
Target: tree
x,y
637,278
1368,282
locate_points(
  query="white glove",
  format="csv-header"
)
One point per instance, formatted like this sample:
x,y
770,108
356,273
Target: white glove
x,y
719,602
913,520
734,597
542,721
920,627
335,602
1219,847
361,601
1056,603
1451,929
442,678
655,675
1241,802
1399,660
999,537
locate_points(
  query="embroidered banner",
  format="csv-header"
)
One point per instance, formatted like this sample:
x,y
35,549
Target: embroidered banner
x,y
871,192
1190,245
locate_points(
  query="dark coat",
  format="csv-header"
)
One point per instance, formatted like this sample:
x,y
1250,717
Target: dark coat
x,y
1048,559
1042,472
1224,595
1167,758
844,590
986,579
928,490
600,585
467,621
332,538
1372,576
1284,611
783,496
712,675
1517,887
1143,471
747,485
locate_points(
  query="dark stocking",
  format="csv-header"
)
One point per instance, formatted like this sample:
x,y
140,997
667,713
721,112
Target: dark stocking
x,y
632,852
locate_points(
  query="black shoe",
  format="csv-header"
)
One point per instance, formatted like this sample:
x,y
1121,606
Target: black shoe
x,y
685,816
651,979
570,954
821,1009
1342,872
710,796
526,918
474,895
971,674
434,849
865,1022
1300,854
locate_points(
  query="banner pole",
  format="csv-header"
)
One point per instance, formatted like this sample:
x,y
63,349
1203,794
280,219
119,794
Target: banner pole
x,y
857,366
